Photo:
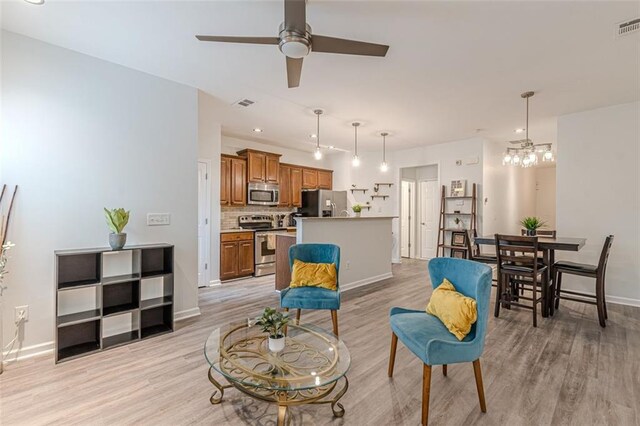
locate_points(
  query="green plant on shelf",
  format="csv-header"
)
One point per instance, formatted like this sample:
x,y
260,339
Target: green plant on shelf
x,y
357,208
117,219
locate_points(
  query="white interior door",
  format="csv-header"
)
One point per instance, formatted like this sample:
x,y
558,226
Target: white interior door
x,y
405,218
204,234
428,218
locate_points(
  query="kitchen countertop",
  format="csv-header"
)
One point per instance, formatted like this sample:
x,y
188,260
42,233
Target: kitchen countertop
x,y
345,218
229,231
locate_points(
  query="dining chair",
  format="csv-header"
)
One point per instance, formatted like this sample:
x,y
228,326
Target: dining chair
x,y
427,337
551,233
313,297
474,253
519,268
592,271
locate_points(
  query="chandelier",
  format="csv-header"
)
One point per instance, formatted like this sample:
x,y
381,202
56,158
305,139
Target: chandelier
x,y
526,154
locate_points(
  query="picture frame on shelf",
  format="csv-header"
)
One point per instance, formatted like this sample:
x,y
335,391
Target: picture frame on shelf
x,y
458,253
458,188
458,238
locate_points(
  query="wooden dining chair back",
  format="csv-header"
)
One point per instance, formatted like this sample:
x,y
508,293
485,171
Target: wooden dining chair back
x,y
474,253
586,270
551,233
520,268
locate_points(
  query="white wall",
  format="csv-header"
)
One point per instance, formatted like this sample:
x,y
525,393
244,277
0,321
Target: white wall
x,y
444,155
546,195
508,193
209,146
231,145
80,134
598,189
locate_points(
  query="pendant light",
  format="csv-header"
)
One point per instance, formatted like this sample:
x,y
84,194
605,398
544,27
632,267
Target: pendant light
x,y
384,166
356,160
318,154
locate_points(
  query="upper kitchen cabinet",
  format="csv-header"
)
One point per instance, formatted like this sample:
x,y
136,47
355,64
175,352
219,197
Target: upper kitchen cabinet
x,y
233,181
296,186
262,167
285,186
325,179
309,179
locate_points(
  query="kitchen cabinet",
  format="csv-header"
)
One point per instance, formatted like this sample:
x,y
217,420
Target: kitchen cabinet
x,y
285,186
262,167
325,179
233,181
296,186
225,180
236,255
309,179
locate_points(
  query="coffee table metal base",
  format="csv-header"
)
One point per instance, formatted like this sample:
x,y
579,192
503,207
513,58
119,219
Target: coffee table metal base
x,y
284,399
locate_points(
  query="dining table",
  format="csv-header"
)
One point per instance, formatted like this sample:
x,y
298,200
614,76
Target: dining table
x,y
548,247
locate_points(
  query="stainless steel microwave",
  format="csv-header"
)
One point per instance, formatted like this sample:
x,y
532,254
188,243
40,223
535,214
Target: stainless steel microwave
x,y
263,194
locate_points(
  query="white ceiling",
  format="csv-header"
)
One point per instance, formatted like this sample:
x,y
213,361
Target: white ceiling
x,y
453,67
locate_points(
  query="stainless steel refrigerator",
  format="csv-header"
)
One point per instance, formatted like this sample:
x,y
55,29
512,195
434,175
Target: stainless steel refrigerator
x,y
323,203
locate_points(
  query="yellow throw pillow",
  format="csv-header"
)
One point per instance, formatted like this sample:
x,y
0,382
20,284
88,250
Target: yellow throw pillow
x,y
322,275
456,311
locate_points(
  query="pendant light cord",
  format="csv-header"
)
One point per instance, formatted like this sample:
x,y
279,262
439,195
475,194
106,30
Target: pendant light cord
x,y
318,112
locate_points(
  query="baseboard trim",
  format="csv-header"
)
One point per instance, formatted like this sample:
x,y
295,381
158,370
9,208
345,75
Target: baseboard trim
x,y
29,352
366,281
188,313
623,301
214,283
396,260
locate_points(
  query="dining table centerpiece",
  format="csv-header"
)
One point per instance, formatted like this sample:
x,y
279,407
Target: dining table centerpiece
x,y
531,225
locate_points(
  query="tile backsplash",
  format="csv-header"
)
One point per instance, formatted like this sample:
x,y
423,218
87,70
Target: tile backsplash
x,y
229,215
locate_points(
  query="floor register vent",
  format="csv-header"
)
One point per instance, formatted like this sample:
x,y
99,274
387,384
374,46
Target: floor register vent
x,y
627,27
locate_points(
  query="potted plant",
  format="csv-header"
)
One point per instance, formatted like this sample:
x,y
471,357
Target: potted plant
x,y
3,271
117,219
357,209
273,323
531,224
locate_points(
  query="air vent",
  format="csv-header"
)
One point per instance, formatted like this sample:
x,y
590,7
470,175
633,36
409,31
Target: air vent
x,y
627,27
243,103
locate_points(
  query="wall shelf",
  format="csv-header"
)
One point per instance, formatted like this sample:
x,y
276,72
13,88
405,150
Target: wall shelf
x,y
363,190
384,197
108,298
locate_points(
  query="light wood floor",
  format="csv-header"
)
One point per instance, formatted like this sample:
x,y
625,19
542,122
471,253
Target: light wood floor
x,y
567,371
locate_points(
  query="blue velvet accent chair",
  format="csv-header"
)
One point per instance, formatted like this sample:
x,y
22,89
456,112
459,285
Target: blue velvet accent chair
x,y
429,340
313,297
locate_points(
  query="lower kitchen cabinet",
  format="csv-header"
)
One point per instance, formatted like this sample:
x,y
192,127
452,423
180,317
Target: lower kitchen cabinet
x,y
236,255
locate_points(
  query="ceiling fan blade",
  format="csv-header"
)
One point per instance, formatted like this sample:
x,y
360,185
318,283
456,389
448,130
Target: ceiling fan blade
x,y
348,47
294,70
295,15
250,40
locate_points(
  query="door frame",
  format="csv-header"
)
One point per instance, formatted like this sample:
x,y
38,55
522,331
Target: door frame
x,y
412,221
207,228
419,197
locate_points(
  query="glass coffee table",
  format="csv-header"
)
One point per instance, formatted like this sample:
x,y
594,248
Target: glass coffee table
x,y
307,371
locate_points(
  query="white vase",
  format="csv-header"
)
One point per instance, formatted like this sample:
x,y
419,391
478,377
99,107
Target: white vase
x,y
357,214
276,345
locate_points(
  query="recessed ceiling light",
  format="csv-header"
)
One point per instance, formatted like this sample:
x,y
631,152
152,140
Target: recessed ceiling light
x,y
257,130
313,136
37,2
519,130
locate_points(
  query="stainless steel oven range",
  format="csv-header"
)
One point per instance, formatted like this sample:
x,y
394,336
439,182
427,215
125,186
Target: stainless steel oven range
x,y
265,241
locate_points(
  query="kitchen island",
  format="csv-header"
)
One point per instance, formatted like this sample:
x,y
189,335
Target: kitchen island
x,y
365,245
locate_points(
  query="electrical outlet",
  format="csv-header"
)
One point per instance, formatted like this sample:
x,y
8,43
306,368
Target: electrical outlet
x,y
347,265
22,311
155,219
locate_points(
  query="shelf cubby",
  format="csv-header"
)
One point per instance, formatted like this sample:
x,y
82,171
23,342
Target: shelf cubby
x,y
157,261
120,329
78,317
78,339
120,297
78,270
156,320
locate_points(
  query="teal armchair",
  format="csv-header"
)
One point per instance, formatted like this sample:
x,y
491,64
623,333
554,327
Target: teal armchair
x,y
313,297
428,339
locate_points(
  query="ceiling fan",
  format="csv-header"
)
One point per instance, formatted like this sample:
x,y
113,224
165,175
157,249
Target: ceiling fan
x,y
296,41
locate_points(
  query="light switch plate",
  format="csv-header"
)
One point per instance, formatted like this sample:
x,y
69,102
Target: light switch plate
x,y
157,219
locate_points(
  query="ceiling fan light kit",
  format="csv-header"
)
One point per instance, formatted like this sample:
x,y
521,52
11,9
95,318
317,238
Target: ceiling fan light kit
x,y
295,40
526,154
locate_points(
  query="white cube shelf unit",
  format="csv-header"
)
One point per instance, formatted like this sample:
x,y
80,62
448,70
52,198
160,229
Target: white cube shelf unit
x,y
107,298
